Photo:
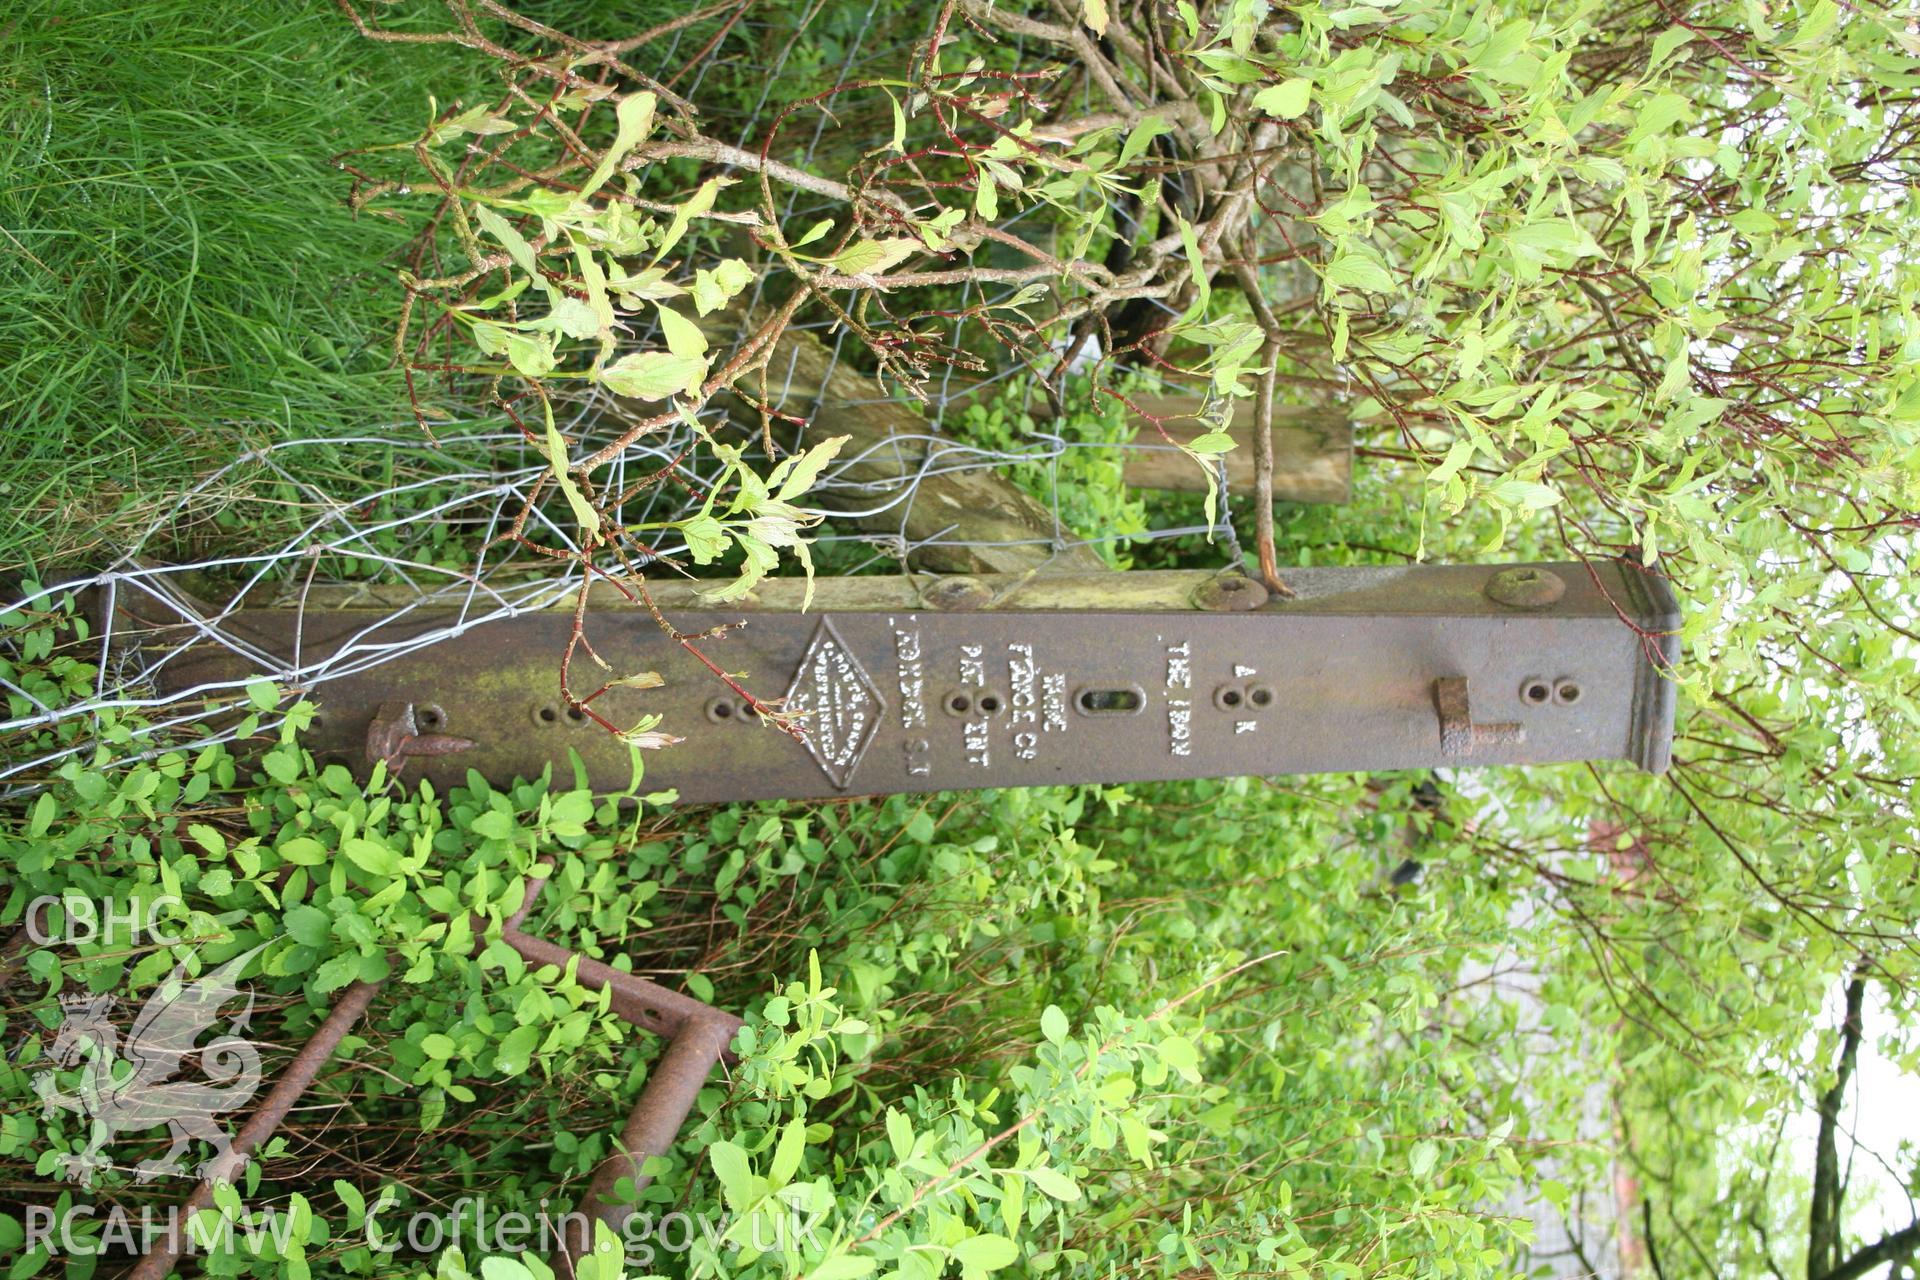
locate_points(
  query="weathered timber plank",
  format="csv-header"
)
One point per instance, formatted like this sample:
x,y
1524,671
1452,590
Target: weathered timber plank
x,y
1312,450
895,477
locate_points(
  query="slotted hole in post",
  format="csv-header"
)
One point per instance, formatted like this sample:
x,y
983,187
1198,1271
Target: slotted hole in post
x,y
1110,702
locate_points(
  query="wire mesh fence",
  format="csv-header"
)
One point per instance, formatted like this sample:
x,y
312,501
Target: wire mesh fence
x,y
454,510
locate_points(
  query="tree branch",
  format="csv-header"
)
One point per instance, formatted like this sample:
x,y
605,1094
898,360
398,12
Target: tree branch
x,y
1823,1214
1894,1247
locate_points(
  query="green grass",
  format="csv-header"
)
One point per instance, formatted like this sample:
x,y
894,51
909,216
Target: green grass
x,y
179,276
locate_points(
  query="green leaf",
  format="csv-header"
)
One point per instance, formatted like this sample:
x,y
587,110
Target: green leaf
x,y
696,205
683,336
1094,14
898,143
371,856
1053,1024
1358,271
263,694
516,245
583,512
476,120
635,121
654,375
796,475
1196,265
1664,44
1178,1052
874,257
494,825
813,233
282,764
516,1051
309,926
716,287
1287,100
731,1166
303,851
706,538
986,198
500,1267
1420,1160
986,1253
1054,1183
1554,235
1525,494
1140,137
572,316
350,1197
786,1155
899,1135
336,972
531,355
842,1267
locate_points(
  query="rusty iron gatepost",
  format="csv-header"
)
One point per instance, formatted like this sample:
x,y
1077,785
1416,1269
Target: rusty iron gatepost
x,y
912,684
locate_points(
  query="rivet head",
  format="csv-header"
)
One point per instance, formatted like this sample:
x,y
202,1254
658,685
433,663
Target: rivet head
x,y
1229,593
958,594
1526,588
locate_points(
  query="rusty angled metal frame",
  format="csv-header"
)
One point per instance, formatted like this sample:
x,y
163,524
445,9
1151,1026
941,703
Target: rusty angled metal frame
x,y
698,1036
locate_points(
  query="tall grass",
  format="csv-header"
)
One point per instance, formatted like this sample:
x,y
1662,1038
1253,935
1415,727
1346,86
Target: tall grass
x,y
178,275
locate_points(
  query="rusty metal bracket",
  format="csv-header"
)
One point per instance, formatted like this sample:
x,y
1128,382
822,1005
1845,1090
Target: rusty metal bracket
x,y
395,734
698,1036
1007,680
1459,735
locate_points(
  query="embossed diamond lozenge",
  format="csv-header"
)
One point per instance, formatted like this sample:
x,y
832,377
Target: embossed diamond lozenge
x,y
839,705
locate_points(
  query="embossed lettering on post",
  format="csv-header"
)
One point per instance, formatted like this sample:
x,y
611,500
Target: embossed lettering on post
x,y
840,704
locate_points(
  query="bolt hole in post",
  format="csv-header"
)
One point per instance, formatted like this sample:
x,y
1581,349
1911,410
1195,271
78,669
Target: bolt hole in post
x,y
958,704
1536,692
1566,693
1260,696
1110,702
430,718
576,717
989,704
546,715
720,710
